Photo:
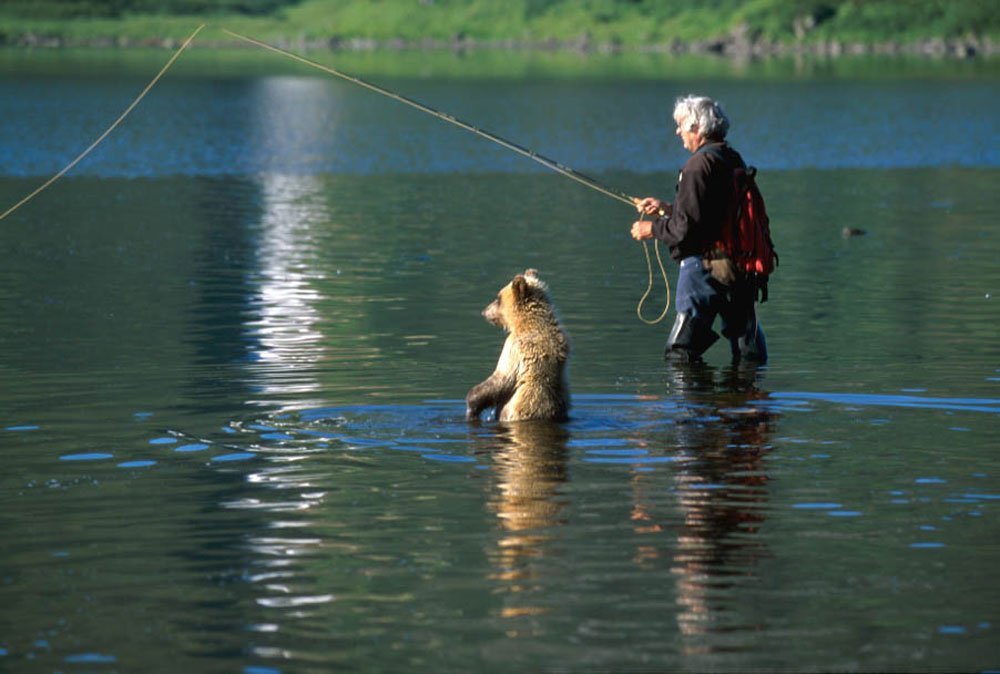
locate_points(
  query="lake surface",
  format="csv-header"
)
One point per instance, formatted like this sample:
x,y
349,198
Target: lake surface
x,y
235,341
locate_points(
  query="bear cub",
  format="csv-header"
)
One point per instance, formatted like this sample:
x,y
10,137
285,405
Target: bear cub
x,y
530,378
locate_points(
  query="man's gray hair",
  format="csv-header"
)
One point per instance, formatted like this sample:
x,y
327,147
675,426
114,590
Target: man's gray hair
x,y
704,113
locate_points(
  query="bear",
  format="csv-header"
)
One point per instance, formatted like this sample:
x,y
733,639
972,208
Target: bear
x,y
530,380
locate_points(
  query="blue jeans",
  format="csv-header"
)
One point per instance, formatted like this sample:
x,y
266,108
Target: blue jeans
x,y
700,298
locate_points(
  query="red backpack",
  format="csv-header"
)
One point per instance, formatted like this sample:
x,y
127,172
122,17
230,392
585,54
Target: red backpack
x,y
746,234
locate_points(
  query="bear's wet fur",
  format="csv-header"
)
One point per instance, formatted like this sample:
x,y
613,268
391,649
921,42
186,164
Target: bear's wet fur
x,y
530,380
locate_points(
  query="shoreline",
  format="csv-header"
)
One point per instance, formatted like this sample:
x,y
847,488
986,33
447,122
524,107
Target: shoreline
x,y
734,46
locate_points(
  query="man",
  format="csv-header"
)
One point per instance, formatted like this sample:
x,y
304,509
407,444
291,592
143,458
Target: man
x,y
690,226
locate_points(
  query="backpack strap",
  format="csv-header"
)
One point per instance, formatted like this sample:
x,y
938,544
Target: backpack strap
x,y
715,149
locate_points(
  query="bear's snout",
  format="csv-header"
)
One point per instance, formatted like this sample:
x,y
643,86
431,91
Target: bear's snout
x,y
493,314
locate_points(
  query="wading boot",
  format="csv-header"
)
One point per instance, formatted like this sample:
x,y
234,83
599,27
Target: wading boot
x,y
751,346
689,338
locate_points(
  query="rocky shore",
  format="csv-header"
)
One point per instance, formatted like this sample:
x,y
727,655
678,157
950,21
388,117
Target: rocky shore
x,y
738,45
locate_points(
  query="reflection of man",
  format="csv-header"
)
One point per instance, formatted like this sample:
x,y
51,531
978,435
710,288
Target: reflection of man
x,y
721,492
531,468
690,226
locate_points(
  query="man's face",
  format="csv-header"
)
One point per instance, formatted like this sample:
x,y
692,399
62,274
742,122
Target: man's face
x,y
691,140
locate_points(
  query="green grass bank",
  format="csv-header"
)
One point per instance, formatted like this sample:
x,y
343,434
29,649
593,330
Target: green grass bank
x,y
964,28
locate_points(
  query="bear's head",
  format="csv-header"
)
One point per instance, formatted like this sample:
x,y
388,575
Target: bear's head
x,y
525,296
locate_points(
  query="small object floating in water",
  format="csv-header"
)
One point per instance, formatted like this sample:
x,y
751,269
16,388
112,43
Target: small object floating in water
x,y
848,232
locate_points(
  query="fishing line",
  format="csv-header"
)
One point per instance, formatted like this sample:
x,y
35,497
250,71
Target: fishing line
x,y
111,128
530,154
649,285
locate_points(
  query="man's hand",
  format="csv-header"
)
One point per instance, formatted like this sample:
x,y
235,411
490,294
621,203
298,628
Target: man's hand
x,y
642,230
651,206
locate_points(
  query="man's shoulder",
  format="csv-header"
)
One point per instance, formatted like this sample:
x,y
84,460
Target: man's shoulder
x,y
716,155
720,149
699,161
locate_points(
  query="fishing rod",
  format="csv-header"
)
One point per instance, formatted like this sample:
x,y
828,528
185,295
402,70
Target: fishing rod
x,y
521,150
530,154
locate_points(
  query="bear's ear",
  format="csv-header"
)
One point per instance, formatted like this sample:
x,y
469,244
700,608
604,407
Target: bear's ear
x,y
519,286
531,274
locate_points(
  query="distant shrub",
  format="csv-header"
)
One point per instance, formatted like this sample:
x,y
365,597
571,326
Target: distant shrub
x,y
103,9
622,22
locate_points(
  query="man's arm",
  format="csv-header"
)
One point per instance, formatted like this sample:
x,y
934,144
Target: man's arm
x,y
689,204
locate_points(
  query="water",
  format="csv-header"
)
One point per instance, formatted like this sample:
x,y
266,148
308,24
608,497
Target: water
x,y
235,343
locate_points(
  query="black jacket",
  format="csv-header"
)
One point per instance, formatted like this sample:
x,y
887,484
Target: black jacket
x,y
702,202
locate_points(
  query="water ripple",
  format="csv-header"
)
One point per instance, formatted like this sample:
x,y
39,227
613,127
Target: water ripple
x,y
985,405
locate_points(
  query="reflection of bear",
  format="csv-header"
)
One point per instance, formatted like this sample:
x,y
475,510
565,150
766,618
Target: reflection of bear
x,y
530,378
529,461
